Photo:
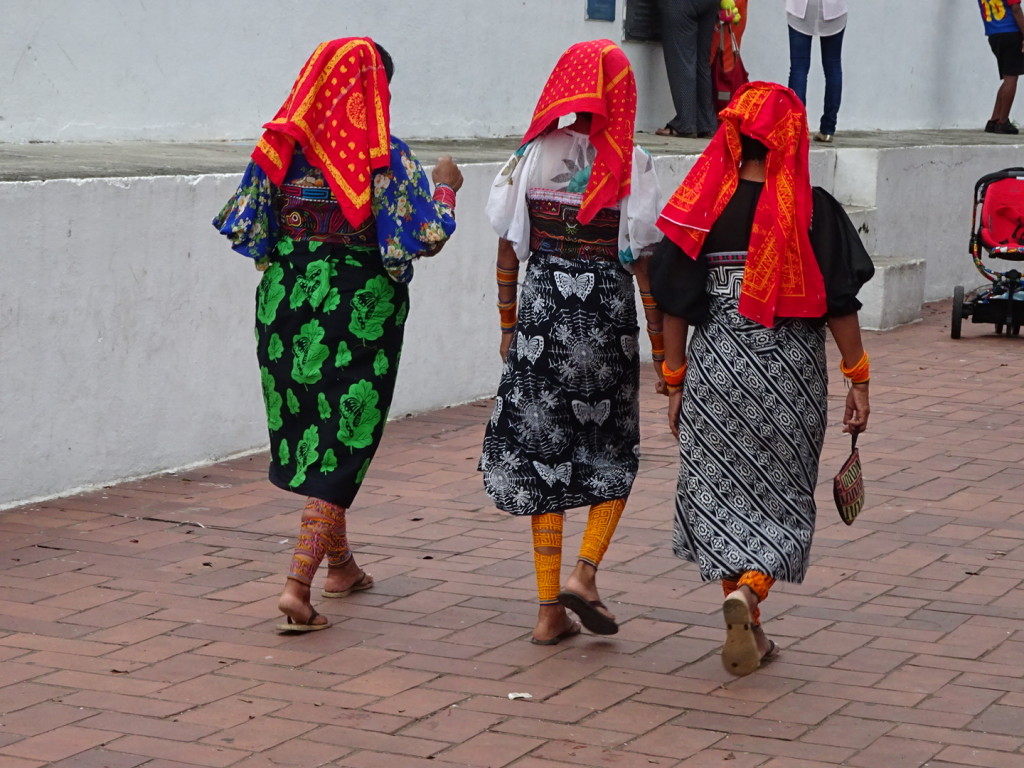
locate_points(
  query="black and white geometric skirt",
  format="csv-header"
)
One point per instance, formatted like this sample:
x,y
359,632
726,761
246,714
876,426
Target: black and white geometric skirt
x,y
751,431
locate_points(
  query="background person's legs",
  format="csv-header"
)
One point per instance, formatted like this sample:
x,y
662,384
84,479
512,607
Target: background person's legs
x,y
1004,99
706,117
799,62
679,45
832,64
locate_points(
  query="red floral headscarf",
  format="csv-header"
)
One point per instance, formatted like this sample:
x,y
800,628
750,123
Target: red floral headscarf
x,y
781,277
338,112
594,77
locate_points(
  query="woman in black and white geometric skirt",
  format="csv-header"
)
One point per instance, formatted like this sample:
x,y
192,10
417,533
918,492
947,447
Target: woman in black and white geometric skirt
x,y
748,394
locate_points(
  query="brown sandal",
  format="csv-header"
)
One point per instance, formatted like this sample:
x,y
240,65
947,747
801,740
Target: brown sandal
x,y
668,130
593,619
365,581
573,630
739,654
309,626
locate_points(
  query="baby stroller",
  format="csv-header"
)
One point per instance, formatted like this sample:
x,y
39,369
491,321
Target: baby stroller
x,y
999,231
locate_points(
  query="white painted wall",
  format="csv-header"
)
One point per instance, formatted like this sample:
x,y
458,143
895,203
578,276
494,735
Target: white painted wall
x,y
184,70
920,201
126,342
122,332
126,329
909,65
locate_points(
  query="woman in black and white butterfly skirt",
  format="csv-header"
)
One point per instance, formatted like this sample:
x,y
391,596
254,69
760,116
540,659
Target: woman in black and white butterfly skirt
x,y
578,204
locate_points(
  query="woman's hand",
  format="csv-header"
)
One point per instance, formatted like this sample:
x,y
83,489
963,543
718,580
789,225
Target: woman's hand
x,y
506,341
675,406
659,385
447,172
855,415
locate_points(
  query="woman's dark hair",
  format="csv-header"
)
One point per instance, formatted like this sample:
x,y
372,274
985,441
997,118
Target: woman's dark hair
x,y
752,149
389,65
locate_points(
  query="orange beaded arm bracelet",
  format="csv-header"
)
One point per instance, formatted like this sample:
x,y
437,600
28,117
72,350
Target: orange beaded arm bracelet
x,y
859,373
508,281
673,378
654,332
508,315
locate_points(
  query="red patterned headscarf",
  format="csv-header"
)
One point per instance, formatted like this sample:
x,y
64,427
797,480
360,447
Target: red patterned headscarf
x,y
338,112
781,277
594,77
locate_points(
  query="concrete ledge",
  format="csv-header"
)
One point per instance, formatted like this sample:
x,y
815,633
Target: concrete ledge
x,y
131,350
895,295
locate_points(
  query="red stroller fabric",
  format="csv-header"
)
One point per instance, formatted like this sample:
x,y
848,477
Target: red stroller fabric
x,y
1002,217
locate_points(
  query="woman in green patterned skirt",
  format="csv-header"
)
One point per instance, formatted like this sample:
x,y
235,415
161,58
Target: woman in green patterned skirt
x,y
334,210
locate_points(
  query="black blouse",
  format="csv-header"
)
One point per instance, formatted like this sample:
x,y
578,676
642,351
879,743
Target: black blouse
x,y
679,282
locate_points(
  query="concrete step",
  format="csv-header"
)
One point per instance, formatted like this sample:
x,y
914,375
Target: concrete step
x,y
895,295
863,218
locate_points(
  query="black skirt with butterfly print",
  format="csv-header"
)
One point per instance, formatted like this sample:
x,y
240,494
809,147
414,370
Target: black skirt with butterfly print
x,y
565,431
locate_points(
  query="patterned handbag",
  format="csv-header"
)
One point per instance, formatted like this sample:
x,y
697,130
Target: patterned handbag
x,y
848,485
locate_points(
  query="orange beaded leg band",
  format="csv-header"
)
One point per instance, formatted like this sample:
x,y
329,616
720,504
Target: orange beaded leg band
x,y
759,584
322,532
601,523
547,555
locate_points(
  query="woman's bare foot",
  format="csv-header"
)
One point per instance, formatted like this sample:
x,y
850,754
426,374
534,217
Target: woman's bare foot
x,y
553,624
294,603
345,578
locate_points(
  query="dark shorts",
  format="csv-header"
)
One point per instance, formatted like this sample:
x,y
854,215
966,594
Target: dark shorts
x,y
1007,48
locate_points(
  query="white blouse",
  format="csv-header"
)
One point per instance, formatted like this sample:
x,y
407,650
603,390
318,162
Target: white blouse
x,y
558,163
823,18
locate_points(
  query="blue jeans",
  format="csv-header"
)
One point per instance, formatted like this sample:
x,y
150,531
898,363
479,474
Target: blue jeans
x,y
831,63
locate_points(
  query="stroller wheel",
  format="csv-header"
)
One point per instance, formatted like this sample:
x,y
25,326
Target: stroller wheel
x,y
999,329
958,312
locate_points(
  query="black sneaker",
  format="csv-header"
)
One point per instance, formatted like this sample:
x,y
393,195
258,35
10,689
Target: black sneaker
x,y
1006,127
990,126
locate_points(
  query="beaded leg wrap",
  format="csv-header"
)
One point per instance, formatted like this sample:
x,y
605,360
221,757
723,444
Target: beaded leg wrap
x,y
318,535
547,555
601,523
759,584
338,552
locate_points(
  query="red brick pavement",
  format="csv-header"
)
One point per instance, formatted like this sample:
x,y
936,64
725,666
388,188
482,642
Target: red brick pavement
x,y
136,623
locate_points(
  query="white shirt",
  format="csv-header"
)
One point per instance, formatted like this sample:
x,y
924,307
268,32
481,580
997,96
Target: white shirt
x,y
817,17
540,172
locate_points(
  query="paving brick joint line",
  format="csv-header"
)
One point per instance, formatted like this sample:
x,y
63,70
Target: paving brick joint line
x,y
136,623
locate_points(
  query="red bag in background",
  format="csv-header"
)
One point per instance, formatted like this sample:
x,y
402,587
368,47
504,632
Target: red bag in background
x,y
727,81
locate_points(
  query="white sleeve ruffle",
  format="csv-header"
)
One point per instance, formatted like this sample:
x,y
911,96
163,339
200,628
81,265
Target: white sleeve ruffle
x,y
507,208
638,233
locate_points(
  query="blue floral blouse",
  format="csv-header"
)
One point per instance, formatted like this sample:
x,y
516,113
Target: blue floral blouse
x,y
409,222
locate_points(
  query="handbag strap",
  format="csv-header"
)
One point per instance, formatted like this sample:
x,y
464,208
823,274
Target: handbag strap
x,y
853,441
735,42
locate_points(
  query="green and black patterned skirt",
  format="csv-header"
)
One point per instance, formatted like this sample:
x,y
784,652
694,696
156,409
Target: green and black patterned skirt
x,y
329,327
